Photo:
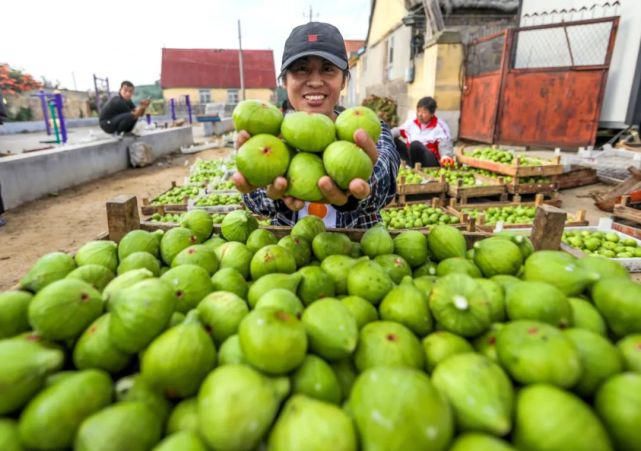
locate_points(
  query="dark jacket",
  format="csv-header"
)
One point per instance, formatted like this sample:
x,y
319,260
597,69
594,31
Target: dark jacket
x,y
115,106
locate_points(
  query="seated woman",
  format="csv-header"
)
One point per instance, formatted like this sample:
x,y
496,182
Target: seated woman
x,y
425,139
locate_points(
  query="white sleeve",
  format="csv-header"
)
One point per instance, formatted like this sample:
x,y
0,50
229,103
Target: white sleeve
x,y
406,126
445,147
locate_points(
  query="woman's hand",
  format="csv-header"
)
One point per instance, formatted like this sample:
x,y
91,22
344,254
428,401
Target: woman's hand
x,y
447,162
358,188
276,190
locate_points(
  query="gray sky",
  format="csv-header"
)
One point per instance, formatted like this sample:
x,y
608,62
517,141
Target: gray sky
x,y
122,39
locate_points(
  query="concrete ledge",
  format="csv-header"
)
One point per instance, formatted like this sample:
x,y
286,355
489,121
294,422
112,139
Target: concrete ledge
x,y
28,177
12,128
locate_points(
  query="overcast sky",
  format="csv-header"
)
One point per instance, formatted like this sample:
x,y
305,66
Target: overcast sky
x,y
122,39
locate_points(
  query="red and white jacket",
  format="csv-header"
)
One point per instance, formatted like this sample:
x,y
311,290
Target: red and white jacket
x,y
435,135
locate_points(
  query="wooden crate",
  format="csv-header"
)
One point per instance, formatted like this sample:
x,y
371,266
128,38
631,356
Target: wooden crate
x,y
625,211
577,176
464,223
435,187
554,167
148,209
627,227
489,187
577,219
520,185
629,187
517,187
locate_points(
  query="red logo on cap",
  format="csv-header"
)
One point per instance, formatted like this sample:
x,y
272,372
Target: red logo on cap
x,y
312,37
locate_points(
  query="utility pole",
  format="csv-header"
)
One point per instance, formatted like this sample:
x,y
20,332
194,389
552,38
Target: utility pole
x,y
240,64
310,16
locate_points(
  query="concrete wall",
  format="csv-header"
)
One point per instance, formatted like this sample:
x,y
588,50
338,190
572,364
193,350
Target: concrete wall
x,y
75,104
30,176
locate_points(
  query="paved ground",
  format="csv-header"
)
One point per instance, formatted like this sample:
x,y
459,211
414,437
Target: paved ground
x,y
21,142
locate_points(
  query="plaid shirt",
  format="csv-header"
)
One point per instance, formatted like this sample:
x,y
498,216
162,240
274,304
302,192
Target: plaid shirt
x,y
365,213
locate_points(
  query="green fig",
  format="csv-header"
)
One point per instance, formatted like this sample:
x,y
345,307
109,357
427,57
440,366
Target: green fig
x,y
177,361
534,352
331,329
124,425
377,241
221,313
312,425
618,404
237,405
229,279
316,379
386,343
368,280
407,305
315,284
398,409
53,417
479,392
281,299
460,305
269,282
363,311
272,340
542,422
600,359
441,345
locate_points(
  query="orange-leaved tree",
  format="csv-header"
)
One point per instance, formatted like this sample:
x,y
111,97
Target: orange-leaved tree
x,y
14,81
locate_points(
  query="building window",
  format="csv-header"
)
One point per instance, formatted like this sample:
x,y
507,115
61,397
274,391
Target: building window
x,y
204,95
232,96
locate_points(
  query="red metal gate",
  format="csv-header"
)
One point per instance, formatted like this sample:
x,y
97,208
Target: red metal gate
x,y
538,86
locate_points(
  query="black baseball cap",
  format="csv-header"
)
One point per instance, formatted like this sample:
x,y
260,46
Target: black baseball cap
x,y
317,39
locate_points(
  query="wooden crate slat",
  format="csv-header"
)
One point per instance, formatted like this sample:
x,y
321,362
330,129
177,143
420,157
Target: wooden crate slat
x,y
577,176
531,188
632,214
433,186
627,227
353,234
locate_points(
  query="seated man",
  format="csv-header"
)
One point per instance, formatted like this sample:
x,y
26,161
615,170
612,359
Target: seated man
x,y
119,114
425,139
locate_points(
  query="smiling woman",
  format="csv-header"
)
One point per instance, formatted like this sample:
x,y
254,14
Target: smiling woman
x,y
314,71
